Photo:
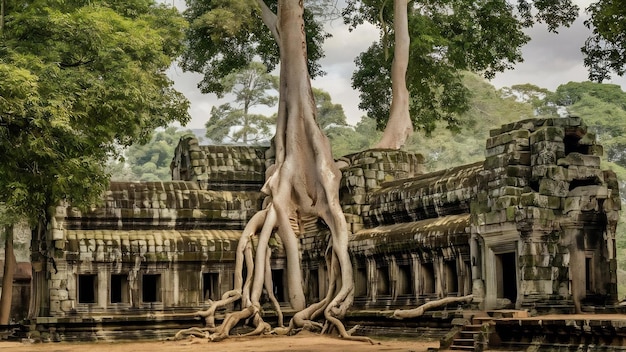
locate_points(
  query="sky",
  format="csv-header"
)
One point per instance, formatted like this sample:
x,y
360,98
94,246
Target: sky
x,y
549,61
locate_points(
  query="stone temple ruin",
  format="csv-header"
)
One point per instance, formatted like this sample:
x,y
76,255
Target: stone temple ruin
x,y
531,229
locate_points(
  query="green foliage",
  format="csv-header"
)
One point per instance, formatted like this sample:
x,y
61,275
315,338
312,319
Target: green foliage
x,y
572,92
346,140
605,50
250,87
328,114
489,108
150,161
536,96
446,38
225,36
77,79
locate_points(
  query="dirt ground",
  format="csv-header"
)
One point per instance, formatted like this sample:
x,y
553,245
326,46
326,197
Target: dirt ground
x,y
300,343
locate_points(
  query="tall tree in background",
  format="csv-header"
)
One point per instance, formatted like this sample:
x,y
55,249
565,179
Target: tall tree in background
x,y
77,79
344,139
251,86
328,113
605,49
226,36
8,273
445,38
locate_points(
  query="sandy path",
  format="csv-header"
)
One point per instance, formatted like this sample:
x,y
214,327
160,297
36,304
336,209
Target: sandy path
x,y
299,343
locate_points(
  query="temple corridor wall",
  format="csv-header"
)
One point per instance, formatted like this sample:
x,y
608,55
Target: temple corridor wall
x,y
515,230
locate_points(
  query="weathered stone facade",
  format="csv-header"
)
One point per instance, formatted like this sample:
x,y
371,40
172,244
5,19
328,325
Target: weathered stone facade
x,y
532,227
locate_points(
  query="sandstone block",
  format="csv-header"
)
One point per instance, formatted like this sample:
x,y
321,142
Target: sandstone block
x,y
553,172
597,191
55,306
553,187
547,133
505,202
67,306
519,137
539,200
537,273
585,173
595,149
578,159
538,213
529,287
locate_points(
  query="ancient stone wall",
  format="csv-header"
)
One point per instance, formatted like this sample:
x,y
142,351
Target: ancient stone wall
x,y
515,230
548,203
149,246
220,167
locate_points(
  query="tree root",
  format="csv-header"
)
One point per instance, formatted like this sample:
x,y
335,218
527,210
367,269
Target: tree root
x,y
303,181
419,311
197,332
231,319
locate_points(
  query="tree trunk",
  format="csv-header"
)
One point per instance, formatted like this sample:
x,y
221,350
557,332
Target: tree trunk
x,y
304,180
419,311
2,4
399,127
7,279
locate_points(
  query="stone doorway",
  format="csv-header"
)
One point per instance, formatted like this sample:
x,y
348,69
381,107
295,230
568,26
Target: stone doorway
x,y
506,276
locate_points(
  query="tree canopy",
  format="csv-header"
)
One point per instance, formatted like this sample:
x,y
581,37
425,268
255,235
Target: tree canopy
x,y
78,79
329,114
226,36
447,37
605,49
150,161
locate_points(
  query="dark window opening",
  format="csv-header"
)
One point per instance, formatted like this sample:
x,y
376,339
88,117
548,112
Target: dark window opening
x,y
382,282
454,208
570,140
428,278
589,275
506,276
452,279
314,286
119,289
87,288
360,282
151,288
584,182
405,282
278,287
210,286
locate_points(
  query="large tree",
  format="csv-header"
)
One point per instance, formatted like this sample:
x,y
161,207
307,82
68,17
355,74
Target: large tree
x,y
304,179
78,79
441,38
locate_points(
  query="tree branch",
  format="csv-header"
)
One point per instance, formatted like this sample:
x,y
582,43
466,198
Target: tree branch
x,y
270,19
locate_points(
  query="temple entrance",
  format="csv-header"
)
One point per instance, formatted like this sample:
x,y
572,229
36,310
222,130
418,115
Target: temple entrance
x,y
506,276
